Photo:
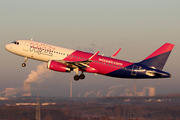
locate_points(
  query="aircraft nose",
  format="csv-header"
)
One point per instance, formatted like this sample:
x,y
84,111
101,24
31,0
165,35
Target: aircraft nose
x,y
7,47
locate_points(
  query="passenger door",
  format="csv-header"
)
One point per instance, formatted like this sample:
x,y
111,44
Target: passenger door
x,y
134,70
26,46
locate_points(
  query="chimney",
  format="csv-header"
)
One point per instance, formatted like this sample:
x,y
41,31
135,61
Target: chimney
x,y
38,114
26,89
70,88
134,87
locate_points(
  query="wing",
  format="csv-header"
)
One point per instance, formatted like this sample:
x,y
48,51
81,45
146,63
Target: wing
x,y
82,65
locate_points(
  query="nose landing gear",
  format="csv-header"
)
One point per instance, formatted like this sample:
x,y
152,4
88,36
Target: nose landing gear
x,y
25,60
23,64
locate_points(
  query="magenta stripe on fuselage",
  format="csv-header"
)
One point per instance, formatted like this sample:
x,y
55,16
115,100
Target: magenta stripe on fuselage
x,y
102,64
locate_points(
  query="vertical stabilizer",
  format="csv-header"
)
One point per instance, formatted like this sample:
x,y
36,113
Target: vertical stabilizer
x,y
158,58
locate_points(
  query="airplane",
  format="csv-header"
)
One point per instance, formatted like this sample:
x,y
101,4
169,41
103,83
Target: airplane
x,y
66,60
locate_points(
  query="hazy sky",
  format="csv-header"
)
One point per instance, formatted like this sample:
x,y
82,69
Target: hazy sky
x,y
139,27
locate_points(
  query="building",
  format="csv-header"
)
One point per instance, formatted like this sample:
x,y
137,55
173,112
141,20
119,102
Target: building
x,y
151,91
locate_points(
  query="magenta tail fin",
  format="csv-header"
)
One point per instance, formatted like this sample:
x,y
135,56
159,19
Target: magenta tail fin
x,y
158,58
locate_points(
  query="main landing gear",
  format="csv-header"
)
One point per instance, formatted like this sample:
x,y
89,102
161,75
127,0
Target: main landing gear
x,y
25,60
77,77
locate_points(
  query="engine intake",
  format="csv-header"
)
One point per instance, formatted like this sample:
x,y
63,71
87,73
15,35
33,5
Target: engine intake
x,y
57,66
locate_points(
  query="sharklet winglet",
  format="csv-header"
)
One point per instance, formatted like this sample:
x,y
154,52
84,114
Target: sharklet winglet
x,y
115,54
94,55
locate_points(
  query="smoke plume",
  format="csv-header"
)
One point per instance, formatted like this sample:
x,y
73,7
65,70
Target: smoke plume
x,y
12,92
90,48
111,91
116,86
99,93
39,75
79,94
88,93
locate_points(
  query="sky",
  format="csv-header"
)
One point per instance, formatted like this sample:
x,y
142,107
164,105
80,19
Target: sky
x,y
138,27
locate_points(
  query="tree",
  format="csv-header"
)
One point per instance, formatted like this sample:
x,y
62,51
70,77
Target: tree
x,y
105,118
48,117
25,118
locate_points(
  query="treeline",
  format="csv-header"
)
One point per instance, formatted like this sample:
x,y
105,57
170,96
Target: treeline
x,y
92,111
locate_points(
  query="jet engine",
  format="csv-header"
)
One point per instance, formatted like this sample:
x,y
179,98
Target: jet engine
x,y
57,66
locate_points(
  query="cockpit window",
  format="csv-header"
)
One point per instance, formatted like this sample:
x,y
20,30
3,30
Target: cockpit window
x,y
17,43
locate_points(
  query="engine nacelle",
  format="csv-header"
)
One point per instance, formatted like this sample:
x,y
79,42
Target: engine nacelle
x,y
57,66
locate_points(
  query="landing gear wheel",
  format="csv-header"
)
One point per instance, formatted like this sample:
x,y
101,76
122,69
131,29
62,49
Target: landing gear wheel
x,y
82,76
24,65
76,77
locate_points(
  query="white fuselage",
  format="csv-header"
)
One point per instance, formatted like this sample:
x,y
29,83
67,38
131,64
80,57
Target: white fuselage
x,y
38,51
